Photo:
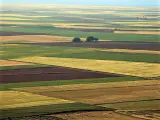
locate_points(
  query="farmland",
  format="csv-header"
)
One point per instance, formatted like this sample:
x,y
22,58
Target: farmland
x,y
11,63
147,69
44,75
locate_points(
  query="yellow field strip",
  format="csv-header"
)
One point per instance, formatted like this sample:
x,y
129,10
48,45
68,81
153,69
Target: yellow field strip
x,y
130,51
8,45
36,38
140,69
138,23
14,99
12,63
79,27
137,32
89,86
2,52
21,15
12,18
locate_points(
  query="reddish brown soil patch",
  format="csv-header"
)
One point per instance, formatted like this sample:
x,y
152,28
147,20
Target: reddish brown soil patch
x,y
48,74
109,45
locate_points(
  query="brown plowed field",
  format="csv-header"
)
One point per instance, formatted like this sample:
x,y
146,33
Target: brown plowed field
x,y
107,95
109,45
47,74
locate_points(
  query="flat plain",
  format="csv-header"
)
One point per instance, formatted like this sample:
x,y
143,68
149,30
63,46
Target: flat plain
x,y
44,75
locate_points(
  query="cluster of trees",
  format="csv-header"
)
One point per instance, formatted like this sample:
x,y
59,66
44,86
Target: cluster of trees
x,y
144,17
88,39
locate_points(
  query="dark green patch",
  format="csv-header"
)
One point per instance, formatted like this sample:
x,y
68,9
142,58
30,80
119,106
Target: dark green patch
x,y
22,66
21,50
48,109
134,57
135,105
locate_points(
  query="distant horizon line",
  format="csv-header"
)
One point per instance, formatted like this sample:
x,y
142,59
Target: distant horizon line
x,y
82,4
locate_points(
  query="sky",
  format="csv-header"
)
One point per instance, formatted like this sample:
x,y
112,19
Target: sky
x,y
92,2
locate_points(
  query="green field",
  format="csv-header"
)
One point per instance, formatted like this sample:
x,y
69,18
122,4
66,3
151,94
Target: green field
x,y
135,105
19,51
70,33
149,58
48,109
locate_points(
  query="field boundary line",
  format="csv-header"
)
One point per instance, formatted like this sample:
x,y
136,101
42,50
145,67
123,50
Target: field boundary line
x,y
128,101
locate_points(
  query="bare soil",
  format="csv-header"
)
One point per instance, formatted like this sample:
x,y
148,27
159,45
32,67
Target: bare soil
x,y
146,115
96,115
48,74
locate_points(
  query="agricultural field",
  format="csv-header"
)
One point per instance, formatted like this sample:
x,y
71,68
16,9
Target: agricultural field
x,y
46,76
68,21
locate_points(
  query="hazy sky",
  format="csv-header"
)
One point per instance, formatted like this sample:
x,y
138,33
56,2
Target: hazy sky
x,y
92,2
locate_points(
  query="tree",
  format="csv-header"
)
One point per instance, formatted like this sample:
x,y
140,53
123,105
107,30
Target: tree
x,y
90,39
77,40
96,39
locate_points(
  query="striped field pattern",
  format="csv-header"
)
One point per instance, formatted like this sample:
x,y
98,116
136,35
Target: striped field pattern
x,y
89,86
140,69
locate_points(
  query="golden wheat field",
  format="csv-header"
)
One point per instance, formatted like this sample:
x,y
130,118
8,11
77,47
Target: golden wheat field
x,y
35,38
78,24
19,23
2,52
79,27
138,23
8,45
12,63
22,16
140,69
137,32
129,51
12,18
14,99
